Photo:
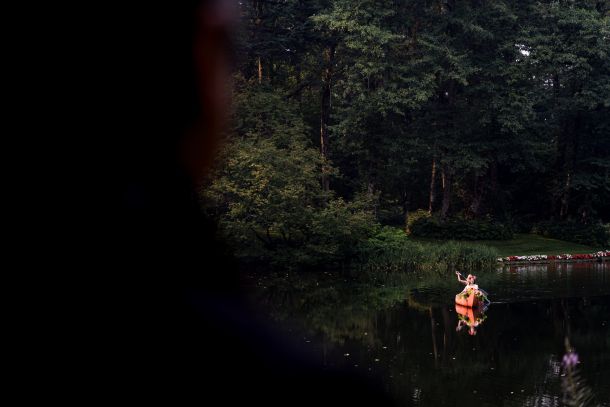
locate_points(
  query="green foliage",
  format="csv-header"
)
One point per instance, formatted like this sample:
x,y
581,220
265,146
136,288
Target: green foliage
x,y
460,229
415,217
531,244
265,114
508,99
465,256
387,239
593,234
390,250
267,197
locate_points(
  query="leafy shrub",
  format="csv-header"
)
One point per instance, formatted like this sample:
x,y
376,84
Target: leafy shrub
x,y
593,234
271,208
391,215
520,224
415,217
460,229
266,196
390,250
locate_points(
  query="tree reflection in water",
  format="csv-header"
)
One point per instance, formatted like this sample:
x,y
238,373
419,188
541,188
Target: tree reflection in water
x,y
406,336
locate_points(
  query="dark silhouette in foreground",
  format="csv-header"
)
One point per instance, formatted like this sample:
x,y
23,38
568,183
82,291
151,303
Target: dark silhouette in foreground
x,y
178,326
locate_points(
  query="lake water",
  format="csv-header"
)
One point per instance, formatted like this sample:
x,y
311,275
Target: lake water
x,y
412,340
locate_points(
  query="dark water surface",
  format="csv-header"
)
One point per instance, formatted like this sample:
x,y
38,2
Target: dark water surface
x,y
408,337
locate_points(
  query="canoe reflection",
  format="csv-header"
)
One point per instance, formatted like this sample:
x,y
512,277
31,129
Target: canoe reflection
x,y
470,317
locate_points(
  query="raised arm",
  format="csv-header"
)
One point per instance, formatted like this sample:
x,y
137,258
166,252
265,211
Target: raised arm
x,y
457,273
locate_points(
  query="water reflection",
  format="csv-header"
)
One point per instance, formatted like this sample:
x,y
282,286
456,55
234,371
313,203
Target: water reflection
x,y
408,337
470,317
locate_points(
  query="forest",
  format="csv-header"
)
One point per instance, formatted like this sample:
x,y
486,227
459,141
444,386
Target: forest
x,y
360,124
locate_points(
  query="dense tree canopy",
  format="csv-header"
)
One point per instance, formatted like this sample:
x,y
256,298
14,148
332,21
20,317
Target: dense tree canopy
x,y
493,110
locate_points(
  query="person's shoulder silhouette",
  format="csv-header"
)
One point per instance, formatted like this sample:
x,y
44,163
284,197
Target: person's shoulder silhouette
x,y
183,332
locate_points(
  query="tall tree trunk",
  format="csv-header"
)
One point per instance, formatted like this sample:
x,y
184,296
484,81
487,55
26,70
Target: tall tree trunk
x,y
300,81
370,187
555,190
258,22
260,71
447,178
494,196
432,184
585,209
565,196
569,160
370,190
325,106
478,194
405,208
324,114
493,177
475,204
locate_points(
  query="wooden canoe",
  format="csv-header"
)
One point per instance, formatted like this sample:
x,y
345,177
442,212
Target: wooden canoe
x,y
471,301
467,312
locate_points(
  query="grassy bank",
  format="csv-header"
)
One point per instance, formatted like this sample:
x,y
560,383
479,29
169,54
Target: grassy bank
x,y
391,251
528,244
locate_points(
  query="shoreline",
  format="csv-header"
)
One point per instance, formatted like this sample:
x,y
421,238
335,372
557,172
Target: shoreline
x,y
599,257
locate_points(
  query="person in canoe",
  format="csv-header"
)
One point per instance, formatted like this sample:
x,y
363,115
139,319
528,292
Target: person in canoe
x,y
462,298
469,281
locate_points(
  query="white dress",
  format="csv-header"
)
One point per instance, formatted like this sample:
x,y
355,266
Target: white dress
x,y
469,286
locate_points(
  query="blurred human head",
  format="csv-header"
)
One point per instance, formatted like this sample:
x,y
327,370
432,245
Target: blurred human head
x,y
211,51
212,54
176,87
172,112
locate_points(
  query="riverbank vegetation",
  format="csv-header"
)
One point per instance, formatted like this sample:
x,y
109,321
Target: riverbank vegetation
x,y
528,244
391,251
489,118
